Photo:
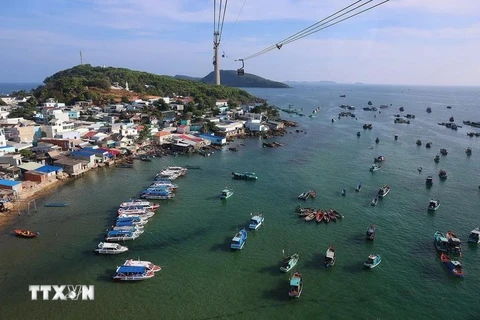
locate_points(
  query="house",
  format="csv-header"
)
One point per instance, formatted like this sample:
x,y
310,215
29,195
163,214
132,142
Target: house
x,y
215,140
15,186
275,125
29,166
39,177
195,142
72,167
253,116
221,103
177,106
86,157
28,134
183,129
50,171
55,126
162,137
64,144
12,159
101,156
230,129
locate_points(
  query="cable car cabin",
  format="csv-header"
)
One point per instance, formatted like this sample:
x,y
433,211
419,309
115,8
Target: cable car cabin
x,y
240,72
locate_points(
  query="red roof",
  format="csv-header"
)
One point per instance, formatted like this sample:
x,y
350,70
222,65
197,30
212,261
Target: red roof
x,y
191,138
163,133
90,134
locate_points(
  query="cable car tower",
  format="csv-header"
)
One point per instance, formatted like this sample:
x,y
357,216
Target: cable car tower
x,y
218,19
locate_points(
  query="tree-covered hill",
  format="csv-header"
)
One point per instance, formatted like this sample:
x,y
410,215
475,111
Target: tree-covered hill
x,y
231,79
85,82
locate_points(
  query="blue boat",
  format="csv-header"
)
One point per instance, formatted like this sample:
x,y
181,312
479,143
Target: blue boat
x,y
296,285
239,240
133,273
121,235
373,261
56,204
256,221
453,266
440,242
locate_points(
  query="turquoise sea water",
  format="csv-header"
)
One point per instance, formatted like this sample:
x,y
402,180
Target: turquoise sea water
x,y
189,237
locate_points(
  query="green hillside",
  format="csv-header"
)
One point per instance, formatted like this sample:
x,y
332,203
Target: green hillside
x,y
231,79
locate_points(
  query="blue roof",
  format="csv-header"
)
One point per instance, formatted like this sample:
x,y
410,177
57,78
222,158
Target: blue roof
x,y
91,150
48,169
119,232
295,282
124,223
9,183
131,269
126,219
81,153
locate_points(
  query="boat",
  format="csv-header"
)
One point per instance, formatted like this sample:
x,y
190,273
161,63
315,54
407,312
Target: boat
x,y
449,107
256,221
443,151
146,158
139,203
442,174
138,263
133,210
125,165
226,193
468,151
451,119
429,181
358,134
344,192
296,285
428,145
193,167
433,205
25,233
56,204
429,110
419,169
326,218
311,216
307,194
110,248
330,257
371,231
331,215
379,159
396,137
238,241
453,266
474,236
132,273
357,189
319,216
377,140
401,109
374,201
289,262
383,191
455,244
437,158
337,214
373,261
374,168
244,176
122,235
440,242
342,96
419,142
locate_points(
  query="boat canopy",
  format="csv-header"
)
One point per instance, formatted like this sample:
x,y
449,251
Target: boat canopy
x,y
330,254
119,233
295,282
131,269
476,232
108,245
443,239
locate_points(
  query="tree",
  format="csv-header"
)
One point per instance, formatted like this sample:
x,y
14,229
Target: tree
x,y
27,153
2,103
145,133
125,99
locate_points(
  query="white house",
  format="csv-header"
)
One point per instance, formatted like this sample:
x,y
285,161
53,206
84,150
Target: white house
x,y
253,116
221,103
57,126
256,125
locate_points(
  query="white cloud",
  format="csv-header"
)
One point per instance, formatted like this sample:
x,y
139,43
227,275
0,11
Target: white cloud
x,y
404,33
464,7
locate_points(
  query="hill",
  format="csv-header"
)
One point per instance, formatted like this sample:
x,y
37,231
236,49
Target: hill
x,y
230,78
85,82
183,77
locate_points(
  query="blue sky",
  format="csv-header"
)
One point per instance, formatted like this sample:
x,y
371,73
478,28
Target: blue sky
x,y
401,42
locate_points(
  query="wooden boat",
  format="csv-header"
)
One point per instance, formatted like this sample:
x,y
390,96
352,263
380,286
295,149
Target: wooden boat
x,y
453,266
419,142
289,262
337,214
319,216
326,218
428,145
56,204
25,233
310,217
296,285
437,158
454,243
357,189
299,209
193,167
330,257
443,152
442,174
373,261
468,151
331,215
429,181
440,242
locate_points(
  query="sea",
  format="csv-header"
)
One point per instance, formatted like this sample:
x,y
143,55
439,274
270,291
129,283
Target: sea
x,y
201,278
8,88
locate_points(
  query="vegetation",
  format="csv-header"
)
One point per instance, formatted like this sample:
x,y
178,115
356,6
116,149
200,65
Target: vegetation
x,y
230,78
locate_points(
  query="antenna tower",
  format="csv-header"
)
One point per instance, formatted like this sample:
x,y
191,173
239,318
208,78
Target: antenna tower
x,y
81,57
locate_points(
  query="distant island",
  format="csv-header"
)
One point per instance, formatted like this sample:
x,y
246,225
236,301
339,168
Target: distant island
x,y
231,79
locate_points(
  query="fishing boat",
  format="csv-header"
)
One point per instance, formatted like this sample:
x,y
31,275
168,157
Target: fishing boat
x,y
377,140
371,231
433,205
443,152
307,194
374,202
146,158
311,216
319,216
25,233
256,221
193,167
331,215
474,236
442,174
419,142
358,134
383,191
244,176
337,214
110,248
429,181
238,241
455,244
374,168
330,257
379,159
138,263
468,151
326,218
451,119
453,266
440,242
296,285
289,262
344,192
357,189
132,273
56,204
226,193
373,261
428,145
437,158
429,110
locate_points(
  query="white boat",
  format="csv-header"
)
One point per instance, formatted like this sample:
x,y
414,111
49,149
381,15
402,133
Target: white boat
x,y
136,220
138,263
256,221
122,235
139,203
374,168
134,228
474,236
133,273
373,261
110,248
148,214
433,205
383,191
374,201
133,210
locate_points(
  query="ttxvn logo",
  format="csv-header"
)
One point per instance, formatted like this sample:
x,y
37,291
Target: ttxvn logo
x,y
62,292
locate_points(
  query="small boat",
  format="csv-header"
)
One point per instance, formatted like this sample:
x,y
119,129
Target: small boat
x,y
342,96
344,192
371,231
374,201
138,263
377,140
226,193
311,216
357,189
442,174
373,261
383,191
419,142
256,221
428,145
122,235
401,109
451,119
433,205
238,241
289,262
56,204
25,233
110,248
244,176
319,216
296,285
419,169
396,137
429,181
443,152
330,257
379,159
193,167
331,215
145,157
358,134
139,203
455,244
440,242
374,168
307,194
132,273
468,151
437,158
453,266
429,110
449,107
326,218
474,236
337,214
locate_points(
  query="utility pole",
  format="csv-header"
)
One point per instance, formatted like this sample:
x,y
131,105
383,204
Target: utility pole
x,y
216,57
81,57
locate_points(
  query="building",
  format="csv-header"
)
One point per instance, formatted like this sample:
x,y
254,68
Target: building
x,y
57,126
64,144
72,167
215,140
15,186
275,125
162,137
87,157
12,159
27,134
255,126
183,129
230,129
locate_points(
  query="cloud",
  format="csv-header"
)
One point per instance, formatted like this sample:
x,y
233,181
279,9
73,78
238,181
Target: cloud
x,y
471,32
449,7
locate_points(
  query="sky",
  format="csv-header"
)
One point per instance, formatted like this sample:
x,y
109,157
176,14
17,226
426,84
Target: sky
x,y
415,42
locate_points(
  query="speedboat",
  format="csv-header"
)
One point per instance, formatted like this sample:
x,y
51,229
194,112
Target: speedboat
x,y
474,236
433,205
289,262
429,181
455,244
383,191
256,221
110,248
371,232
374,201
25,233
138,263
373,261
238,241
133,273
440,242
296,285
374,168
330,257
226,193
453,266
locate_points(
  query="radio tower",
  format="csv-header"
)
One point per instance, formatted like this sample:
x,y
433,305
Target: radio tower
x,y
81,57
217,35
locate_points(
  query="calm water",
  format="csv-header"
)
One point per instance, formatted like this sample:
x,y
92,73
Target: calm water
x,y
189,237
7,88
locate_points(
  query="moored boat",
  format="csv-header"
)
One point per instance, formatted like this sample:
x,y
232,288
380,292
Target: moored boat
x,y
56,204
433,205
244,176
25,233
289,262
383,191
468,151
311,216
226,193
374,168
330,257
428,145
238,241
371,231
419,142
440,242
442,174
296,285
373,261
138,263
357,189
429,181
256,221
319,216
453,266
132,273
474,236
122,235
437,158
455,244
443,151
379,159
139,203
374,201
307,194
110,248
